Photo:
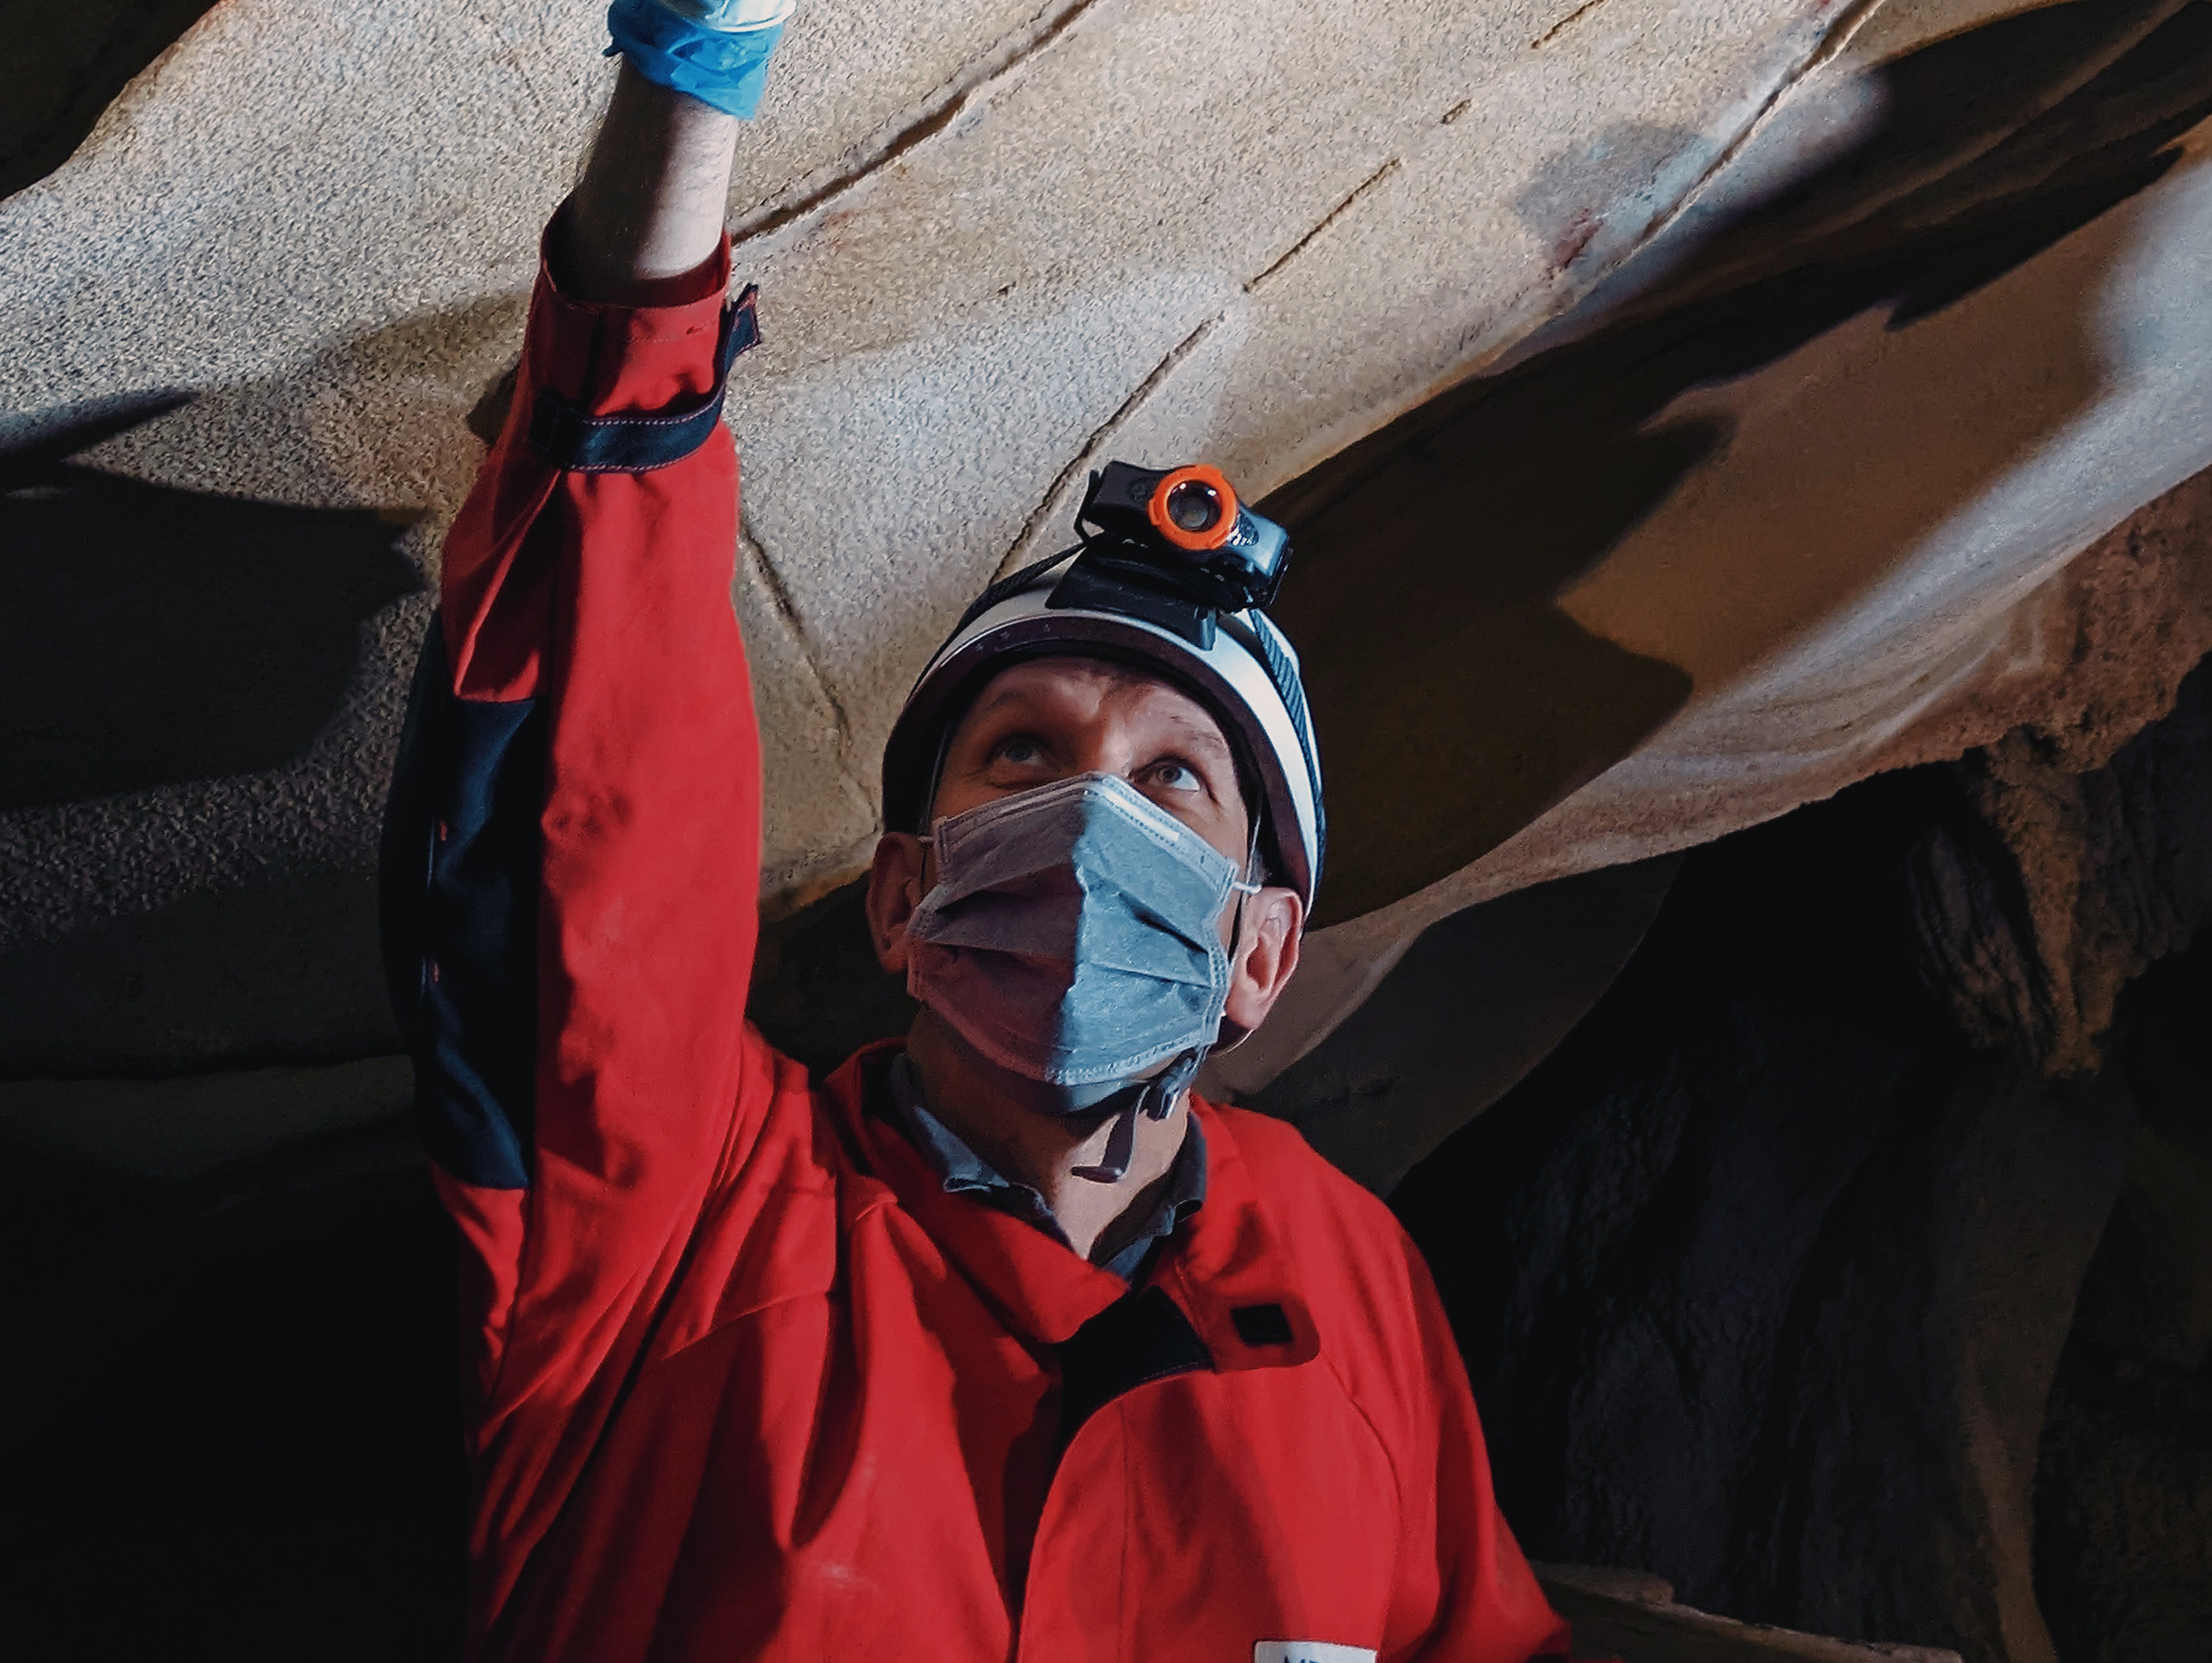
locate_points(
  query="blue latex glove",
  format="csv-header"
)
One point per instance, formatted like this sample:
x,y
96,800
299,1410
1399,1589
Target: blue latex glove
x,y
717,50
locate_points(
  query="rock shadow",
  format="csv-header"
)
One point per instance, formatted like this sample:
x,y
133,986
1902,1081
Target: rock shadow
x,y
284,969
1755,1270
1404,1071
1775,1275
234,665
157,636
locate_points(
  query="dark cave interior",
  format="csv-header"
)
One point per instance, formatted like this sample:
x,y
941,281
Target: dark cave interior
x,y
1774,1281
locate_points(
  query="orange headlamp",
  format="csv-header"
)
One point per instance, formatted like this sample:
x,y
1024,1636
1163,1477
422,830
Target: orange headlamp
x,y
1193,508
1182,532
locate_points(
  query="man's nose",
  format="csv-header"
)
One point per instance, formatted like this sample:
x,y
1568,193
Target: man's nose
x,y
1097,749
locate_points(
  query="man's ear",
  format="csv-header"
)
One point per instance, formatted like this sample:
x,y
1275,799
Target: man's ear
x,y
1266,954
895,885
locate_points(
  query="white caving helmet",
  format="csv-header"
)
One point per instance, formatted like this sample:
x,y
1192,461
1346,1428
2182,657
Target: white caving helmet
x,y
1169,576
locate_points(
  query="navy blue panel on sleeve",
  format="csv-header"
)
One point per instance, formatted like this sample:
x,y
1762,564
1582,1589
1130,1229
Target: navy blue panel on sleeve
x,y
458,896
563,435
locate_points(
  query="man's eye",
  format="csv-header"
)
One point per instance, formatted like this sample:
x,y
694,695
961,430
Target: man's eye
x,y
1176,776
1020,750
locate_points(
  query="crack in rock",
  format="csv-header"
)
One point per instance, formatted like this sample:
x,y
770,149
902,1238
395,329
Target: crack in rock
x,y
904,132
1838,35
1569,21
1326,220
1016,552
780,598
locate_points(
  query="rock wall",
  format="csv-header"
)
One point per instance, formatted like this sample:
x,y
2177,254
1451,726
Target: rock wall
x,y
2123,1495
1727,537
1722,392
1813,1277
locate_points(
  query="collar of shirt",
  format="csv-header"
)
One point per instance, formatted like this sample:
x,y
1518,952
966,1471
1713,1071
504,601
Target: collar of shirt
x,y
967,1173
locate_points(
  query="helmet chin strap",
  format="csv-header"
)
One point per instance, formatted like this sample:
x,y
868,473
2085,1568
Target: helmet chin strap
x,y
1156,1097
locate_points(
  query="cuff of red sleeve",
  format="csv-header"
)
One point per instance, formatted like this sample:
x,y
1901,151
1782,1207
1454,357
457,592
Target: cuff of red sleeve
x,y
726,69
652,346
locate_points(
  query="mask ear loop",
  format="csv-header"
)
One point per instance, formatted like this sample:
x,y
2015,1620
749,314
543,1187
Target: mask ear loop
x,y
1243,889
1157,1099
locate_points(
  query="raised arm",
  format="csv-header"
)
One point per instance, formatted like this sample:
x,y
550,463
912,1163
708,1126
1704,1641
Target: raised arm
x,y
573,846
649,206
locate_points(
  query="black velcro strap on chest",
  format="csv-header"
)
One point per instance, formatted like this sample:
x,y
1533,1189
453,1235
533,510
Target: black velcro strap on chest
x,y
564,436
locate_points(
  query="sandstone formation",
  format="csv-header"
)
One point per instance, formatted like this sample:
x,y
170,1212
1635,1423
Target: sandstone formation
x,y
1754,518
2124,1493
2105,866
1655,590
1478,1000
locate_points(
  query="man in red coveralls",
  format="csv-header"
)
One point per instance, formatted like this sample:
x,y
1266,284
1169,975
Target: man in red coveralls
x,y
997,1343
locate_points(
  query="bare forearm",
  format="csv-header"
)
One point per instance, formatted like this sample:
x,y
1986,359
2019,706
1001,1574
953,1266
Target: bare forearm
x,y
651,202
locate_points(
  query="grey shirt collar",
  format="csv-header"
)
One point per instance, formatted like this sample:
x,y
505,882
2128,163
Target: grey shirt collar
x,y
967,1173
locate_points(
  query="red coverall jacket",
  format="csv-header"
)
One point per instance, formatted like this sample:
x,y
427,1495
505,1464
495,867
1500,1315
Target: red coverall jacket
x,y
743,1381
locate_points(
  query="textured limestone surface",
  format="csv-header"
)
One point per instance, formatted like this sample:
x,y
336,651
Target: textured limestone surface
x,y
2104,873
1655,592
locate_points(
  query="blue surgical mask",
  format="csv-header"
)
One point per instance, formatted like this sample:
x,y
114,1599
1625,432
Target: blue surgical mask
x,y
1074,937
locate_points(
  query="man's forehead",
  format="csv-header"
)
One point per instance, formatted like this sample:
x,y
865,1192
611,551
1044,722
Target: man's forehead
x,y
1038,684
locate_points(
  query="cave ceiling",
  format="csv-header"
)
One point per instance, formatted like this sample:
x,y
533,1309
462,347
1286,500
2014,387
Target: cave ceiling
x,y
1683,410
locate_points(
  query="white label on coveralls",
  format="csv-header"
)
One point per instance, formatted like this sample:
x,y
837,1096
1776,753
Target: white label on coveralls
x,y
1308,1651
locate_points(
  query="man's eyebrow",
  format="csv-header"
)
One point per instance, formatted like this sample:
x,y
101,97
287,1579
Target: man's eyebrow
x,y
993,698
1203,734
